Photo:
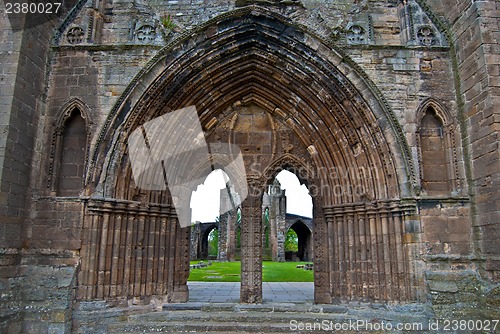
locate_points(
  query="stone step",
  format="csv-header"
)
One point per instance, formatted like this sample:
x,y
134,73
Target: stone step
x,y
263,318
259,317
197,326
253,323
409,311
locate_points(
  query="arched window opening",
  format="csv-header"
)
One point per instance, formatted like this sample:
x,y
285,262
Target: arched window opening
x,y
285,202
215,203
206,200
238,215
434,162
72,156
291,242
298,199
213,244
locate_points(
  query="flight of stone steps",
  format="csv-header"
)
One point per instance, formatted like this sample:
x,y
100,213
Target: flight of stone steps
x,y
97,318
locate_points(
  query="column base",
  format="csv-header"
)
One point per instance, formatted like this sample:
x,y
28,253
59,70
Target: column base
x,y
179,295
251,295
322,297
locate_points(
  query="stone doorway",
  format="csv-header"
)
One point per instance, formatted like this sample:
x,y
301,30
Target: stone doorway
x,y
287,100
275,222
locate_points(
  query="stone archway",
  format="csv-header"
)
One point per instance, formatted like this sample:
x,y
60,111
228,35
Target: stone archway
x,y
304,252
286,98
205,248
200,233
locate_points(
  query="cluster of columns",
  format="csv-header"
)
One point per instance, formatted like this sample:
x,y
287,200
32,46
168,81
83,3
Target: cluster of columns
x,y
133,251
370,252
361,252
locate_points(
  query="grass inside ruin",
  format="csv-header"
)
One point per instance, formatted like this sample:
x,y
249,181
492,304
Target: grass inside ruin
x,y
271,272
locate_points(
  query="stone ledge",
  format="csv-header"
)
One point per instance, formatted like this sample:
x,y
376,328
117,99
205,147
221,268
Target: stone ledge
x,y
443,287
453,258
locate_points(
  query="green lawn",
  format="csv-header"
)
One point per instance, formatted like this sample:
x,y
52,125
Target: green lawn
x,y
217,272
271,272
285,272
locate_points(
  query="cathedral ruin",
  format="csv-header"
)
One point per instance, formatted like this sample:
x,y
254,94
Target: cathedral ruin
x,y
387,110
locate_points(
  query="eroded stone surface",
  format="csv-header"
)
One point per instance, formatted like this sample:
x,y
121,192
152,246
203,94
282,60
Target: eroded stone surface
x,y
335,90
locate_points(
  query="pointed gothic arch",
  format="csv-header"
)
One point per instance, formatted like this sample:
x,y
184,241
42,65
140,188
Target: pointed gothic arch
x,y
304,242
350,81
69,151
337,124
437,150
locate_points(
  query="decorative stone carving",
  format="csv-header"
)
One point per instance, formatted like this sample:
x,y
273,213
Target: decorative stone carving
x,y
280,3
426,36
75,35
146,33
356,34
251,245
393,3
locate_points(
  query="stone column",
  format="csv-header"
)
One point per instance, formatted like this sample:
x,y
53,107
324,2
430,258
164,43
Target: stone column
x,y
322,290
195,240
223,236
334,221
231,235
281,225
229,200
251,245
180,293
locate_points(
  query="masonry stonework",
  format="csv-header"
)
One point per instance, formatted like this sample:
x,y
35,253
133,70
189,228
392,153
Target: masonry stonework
x,y
387,110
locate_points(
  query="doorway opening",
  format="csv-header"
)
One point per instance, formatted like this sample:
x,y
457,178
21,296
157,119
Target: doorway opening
x,y
212,244
298,245
214,271
286,244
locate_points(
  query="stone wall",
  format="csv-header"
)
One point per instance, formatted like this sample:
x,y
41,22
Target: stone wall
x,y
473,27
23,78
474,35
442,54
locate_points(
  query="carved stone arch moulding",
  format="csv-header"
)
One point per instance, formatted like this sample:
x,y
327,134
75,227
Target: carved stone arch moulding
x,y
56,141
304,170
179,56
442,112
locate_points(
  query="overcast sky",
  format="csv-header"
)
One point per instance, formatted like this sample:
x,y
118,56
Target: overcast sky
x,y
205,200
